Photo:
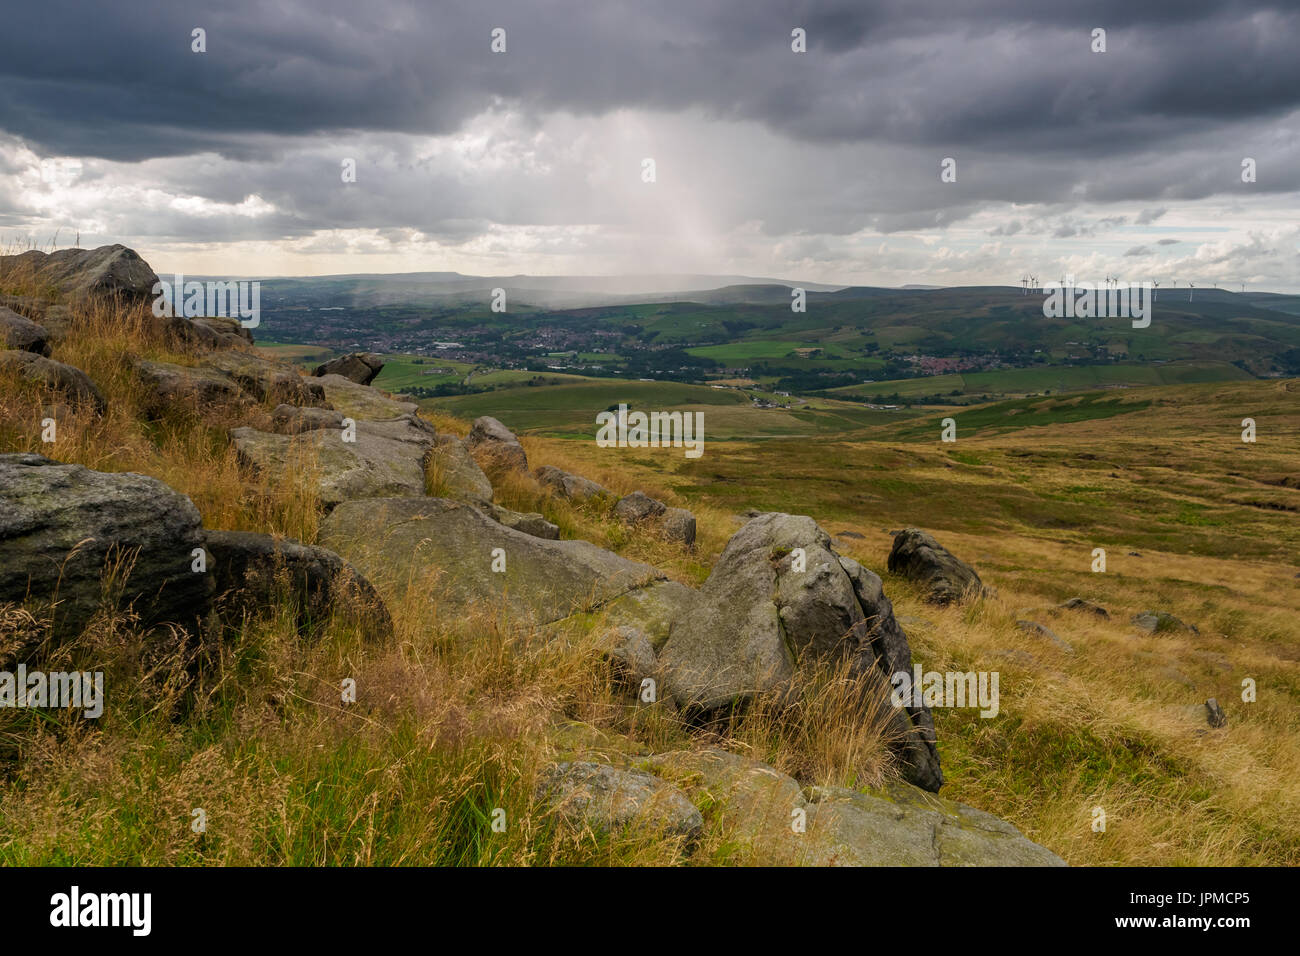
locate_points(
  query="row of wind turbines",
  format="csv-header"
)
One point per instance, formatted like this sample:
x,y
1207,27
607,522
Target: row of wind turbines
x,y
1031,283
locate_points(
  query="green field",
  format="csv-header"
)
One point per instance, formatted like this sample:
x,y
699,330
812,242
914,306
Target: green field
x,y
408,371
1060,378
746,351
569,410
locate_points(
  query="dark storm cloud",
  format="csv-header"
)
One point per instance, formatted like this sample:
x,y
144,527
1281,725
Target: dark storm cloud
x,y
111,126
119,81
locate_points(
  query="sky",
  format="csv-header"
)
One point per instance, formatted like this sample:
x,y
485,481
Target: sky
x,y
823,165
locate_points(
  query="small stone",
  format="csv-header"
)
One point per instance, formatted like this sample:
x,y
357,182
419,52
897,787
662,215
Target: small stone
x,y
1214,714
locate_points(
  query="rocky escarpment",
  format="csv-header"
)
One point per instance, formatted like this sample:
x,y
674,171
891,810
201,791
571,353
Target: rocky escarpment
x,y
66,530
539,581
251,571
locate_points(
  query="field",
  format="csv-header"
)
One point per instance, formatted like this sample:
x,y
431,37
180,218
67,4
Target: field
x,y
1192,520
840,339
1042,380
401,372
569,410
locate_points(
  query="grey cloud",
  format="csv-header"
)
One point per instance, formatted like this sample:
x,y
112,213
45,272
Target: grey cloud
x,y
842,139
120,81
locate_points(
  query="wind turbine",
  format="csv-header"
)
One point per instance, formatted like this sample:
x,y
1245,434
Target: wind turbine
x,y
1156,291
1190,290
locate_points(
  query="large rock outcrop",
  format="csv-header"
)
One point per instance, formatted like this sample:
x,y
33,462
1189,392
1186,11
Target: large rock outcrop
x,y
168,385
891,654
112,271
900,825
293,419
267,381
652,609
233,376
778,598
385,459
203,333
359,367
947,579
252,572
453,472
62,527
449,548
361,401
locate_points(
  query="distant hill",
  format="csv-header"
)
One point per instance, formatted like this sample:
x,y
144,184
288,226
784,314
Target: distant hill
x,y
843,337
450,289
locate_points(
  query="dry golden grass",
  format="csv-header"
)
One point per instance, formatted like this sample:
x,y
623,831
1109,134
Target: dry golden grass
x,y
837,733
186,446
1120,723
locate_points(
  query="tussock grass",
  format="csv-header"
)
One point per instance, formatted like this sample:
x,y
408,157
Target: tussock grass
x,y
836,731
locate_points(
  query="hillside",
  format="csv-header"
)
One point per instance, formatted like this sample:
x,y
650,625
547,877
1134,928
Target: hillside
x,y
865,344
501,716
